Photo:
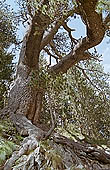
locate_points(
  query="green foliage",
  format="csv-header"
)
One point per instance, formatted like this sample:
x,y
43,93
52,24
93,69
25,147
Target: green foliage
x,y
88,101
80,98
6,71
7,37
53,8
43,79
7,27
8,131
104,8
6,149
9,140
103,5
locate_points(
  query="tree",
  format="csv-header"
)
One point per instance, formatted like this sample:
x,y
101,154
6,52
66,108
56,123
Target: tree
x,y
45,38
8,37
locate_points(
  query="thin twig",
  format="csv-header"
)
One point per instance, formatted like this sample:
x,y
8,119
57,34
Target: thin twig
x,y
55,50
85,75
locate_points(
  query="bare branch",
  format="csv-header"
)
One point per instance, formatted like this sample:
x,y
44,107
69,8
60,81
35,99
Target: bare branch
x,y
69,30
49,53
53,119
55,50
64,24
92,70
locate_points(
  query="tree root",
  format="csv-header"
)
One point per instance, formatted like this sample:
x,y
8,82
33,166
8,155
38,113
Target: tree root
x,y
85,150
29,144
82,155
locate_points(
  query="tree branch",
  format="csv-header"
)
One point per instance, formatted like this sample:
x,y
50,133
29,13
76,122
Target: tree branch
x,y
55,50
68,61
46,40
93,24
87,77
51,55
69,30
53,119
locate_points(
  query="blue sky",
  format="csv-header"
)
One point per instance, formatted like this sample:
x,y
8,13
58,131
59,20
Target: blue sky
x,y
103,48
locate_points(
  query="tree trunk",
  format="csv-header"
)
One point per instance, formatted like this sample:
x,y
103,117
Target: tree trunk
x,y
23,98
25,102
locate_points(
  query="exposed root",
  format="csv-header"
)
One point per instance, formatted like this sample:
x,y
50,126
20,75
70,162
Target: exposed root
x,y
25,127
85,151
38,153
69,154
29,144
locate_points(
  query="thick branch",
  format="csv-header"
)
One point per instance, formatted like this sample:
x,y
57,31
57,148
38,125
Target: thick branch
x,y
68,61
95,33
34,38
91,152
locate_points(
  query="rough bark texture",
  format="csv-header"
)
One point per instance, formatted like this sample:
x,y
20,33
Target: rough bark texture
x,y
28,101
25,102
23,98
59,153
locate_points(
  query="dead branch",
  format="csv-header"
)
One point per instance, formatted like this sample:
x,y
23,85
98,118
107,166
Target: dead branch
x,y
51,55
55,50
69,30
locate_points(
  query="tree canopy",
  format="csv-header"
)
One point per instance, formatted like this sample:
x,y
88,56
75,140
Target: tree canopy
x,y
60,98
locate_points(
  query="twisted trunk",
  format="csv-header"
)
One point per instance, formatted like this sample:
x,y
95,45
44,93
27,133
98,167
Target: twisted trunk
x,y
25,99
25,102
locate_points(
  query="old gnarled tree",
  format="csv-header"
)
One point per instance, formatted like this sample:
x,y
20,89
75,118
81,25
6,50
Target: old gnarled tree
x,y
25,101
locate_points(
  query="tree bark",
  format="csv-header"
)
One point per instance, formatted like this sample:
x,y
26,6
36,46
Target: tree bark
x,y
27,100
23,98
